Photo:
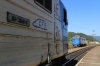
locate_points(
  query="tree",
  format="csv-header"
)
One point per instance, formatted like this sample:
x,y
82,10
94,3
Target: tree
x,y
69,40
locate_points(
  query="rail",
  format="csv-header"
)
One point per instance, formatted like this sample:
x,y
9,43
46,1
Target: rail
x,y
75,54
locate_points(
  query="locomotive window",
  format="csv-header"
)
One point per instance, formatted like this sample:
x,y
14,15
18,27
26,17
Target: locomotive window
x,y
65,17
45,4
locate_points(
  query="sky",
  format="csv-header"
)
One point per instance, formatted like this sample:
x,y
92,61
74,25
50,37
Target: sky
x,y
83,16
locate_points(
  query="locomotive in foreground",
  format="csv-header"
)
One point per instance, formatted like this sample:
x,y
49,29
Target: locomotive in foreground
x,y
32,32
78,41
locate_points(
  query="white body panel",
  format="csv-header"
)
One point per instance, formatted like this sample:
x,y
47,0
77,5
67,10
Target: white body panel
x,y
28,46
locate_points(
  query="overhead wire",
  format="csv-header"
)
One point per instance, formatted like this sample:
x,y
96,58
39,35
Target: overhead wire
x,y
83,28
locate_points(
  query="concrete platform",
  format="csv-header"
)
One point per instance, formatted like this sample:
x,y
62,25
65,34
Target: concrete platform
x,y
92,58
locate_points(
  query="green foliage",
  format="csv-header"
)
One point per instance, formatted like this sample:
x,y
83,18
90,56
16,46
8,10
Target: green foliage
x,y
88,42
69,40
89,38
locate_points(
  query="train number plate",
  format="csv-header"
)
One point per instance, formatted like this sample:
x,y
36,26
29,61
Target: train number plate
x,y
17,19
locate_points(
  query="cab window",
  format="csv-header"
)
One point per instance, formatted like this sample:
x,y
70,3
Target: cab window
x,y
65,17
45,4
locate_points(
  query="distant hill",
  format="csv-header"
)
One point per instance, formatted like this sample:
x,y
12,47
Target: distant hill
x,y
97,38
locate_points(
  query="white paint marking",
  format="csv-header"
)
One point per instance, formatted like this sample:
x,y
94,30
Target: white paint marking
x,y
96,63
91,58
91,63
87,60
80,61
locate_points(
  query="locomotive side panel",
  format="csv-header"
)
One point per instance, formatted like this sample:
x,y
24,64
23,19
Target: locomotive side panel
x,y
29,31
25,32
35,19
57,28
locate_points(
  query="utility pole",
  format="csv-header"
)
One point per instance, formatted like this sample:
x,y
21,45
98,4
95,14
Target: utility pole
x,y
93,36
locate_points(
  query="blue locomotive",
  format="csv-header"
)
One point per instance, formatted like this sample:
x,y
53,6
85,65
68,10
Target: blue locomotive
x,y
78,41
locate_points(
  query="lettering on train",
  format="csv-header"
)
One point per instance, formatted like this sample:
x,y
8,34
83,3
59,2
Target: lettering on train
x,y
39,23
17,19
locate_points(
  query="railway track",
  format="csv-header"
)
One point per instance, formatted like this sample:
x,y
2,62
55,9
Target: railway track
x,y
74,57
71,58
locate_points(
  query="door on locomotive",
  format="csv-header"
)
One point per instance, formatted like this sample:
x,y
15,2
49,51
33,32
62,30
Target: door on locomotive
x,y
64,24
60,27
57,28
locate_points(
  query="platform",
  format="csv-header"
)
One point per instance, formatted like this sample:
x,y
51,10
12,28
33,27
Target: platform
x,y
92,58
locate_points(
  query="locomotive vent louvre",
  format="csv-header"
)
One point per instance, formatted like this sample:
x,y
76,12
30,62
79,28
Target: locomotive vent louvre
x,y
45,4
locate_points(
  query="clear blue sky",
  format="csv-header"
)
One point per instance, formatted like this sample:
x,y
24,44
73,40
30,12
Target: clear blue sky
x,y
83,16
